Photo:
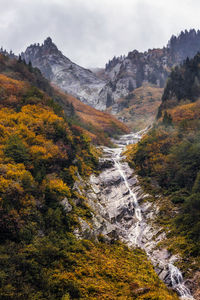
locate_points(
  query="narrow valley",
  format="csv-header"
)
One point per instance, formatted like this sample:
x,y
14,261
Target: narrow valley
x,y
130,213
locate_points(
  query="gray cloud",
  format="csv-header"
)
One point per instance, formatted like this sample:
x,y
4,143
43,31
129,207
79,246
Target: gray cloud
x,y
90,32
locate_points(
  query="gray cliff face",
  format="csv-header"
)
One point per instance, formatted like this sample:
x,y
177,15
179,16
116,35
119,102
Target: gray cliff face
x,y
62,72
125,73
128,73
102,88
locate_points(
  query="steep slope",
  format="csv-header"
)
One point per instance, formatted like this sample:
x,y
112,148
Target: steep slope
x,y
182,85
62,72
127,73
138,109
79,113
118,198
167,159
99,121
42,159
102,89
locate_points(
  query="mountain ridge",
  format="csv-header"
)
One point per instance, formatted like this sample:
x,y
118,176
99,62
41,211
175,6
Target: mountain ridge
x,y
46,159
61,71
102,88
79,113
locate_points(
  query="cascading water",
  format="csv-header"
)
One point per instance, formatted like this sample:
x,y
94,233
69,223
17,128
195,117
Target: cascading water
x,y
175,275
178,283
138,214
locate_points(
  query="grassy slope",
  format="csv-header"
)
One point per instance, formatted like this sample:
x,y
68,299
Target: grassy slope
x,y
141,107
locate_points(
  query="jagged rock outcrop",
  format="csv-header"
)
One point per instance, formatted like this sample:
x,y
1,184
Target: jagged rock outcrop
x,y
127,73
10,54
62,72
103,88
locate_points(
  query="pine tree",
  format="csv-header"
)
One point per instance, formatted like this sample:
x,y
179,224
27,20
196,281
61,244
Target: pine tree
x,y
20,59
167,119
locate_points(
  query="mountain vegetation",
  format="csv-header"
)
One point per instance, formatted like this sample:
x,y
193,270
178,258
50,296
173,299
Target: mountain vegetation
x,y
109,88
42,153
89,119
138,109
105,88
168,160
125,74
186,44
182,84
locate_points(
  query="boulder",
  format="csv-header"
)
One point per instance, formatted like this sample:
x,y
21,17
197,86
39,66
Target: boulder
x,y
66,205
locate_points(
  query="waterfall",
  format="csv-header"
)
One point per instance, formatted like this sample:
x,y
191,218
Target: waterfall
x,y
174,273
138,213
178,283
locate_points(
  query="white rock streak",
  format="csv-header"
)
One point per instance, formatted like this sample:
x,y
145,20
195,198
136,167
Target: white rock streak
x,y
119,202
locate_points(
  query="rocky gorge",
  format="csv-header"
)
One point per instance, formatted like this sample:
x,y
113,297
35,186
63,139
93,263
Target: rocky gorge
x,y
123,211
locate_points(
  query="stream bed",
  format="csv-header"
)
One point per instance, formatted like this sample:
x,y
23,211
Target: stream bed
x,y
124,214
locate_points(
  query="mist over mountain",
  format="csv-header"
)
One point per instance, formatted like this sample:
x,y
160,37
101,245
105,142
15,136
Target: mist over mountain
x,y
103,88
153,66
89,210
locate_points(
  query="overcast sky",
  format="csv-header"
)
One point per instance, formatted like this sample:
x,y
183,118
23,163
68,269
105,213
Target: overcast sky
x,y
90,32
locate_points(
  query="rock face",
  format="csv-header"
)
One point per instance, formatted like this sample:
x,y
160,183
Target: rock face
x,y
102,88
127,73
122,211
66,205
139,108
61,71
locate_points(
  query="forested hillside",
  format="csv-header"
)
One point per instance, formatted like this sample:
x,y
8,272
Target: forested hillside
x,y
183,84
98,125
168,161
42,154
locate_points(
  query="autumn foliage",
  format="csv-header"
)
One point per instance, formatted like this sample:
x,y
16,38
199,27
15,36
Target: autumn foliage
x,y
42,154
168,160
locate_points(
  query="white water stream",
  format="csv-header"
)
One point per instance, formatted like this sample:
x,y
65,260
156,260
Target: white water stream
x,y
138,213
175,275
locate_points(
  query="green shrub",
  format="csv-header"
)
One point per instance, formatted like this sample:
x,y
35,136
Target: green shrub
x,y
16,149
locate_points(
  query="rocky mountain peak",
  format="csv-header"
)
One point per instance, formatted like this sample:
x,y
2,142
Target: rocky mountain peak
x,y
61,71
113,62
48,42
133,54
37,50
122,74
50,46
